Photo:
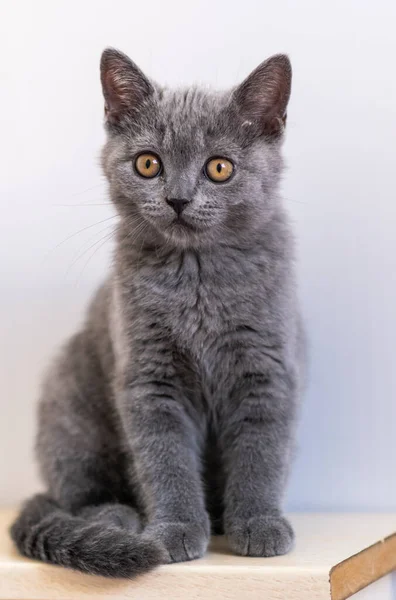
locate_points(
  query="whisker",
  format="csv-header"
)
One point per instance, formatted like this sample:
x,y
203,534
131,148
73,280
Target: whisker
x,y
94,187
144,228
85,204
295,201
89,240
77,232
107,236
104,241
137,229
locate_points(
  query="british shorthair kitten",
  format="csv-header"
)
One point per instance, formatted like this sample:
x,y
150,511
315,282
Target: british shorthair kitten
x,y
171,413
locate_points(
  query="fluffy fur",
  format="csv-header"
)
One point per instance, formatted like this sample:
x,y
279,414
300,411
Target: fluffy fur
x,y
172,412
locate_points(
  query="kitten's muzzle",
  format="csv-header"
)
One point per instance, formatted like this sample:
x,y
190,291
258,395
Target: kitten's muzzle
x,y
178,204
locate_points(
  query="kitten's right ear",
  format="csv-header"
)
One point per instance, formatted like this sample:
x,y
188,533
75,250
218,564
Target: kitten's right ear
x,y
124,85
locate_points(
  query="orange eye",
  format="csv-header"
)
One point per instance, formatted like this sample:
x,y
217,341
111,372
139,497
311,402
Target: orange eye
x,y
219,169
148,165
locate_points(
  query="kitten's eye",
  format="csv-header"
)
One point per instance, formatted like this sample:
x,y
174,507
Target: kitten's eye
x,y
148,165
219,169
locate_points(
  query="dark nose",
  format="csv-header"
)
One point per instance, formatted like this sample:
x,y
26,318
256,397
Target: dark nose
x,y
178,204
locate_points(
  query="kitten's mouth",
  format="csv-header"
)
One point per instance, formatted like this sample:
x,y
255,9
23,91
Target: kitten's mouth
x,y
181,223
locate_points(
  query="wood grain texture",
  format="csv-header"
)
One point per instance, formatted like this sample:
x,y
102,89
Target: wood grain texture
x,y
358,571
325,545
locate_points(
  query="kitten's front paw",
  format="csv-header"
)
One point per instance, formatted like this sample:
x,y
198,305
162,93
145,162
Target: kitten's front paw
x,y
265,535
182,541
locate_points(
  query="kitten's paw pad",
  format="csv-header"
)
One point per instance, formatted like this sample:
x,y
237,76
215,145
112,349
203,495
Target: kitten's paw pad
x,y
261,536
182,541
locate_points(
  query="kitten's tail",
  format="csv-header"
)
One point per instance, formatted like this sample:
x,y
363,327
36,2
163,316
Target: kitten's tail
x,y
46,532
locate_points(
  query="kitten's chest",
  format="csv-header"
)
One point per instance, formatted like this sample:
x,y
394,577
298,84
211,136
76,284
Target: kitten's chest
x,y
198,298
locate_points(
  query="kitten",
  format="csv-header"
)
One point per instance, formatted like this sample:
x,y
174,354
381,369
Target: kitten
x,y
172,412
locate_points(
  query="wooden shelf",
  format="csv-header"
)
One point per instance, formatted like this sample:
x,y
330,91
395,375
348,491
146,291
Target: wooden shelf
x,y
336,555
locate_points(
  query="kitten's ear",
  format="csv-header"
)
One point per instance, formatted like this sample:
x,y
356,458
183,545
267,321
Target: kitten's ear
x,y
262,98
124,85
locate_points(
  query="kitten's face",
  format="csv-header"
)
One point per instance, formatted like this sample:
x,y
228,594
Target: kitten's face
x,y
192,166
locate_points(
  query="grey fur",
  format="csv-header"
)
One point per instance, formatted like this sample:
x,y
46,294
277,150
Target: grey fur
x,y
173,410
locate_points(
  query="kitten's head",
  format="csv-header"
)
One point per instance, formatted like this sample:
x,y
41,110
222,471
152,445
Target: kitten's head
x,y
191,166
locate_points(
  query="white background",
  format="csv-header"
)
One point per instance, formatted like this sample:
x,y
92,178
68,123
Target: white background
x,y
340,190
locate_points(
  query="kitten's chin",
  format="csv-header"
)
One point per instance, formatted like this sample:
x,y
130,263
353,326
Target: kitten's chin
x,y
185,234
181,234
181,225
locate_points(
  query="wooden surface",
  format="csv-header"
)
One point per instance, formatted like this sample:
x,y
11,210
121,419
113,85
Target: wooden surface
x,y
335,556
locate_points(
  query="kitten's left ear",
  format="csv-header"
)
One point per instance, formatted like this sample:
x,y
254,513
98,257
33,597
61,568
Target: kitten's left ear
x,y
124,85
262,98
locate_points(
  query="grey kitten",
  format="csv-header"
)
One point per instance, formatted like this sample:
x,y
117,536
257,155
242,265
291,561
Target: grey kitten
x,y
172,412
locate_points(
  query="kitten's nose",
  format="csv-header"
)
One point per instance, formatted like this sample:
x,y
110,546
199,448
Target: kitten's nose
x,y
178,204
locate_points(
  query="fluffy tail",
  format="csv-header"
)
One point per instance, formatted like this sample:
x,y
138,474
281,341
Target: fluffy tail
x,y
45,532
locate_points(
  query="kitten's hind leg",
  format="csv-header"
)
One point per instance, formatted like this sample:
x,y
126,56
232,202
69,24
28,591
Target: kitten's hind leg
x,y
84,522
78,443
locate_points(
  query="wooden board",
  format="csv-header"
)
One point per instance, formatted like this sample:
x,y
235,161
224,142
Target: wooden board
x,y
335,556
